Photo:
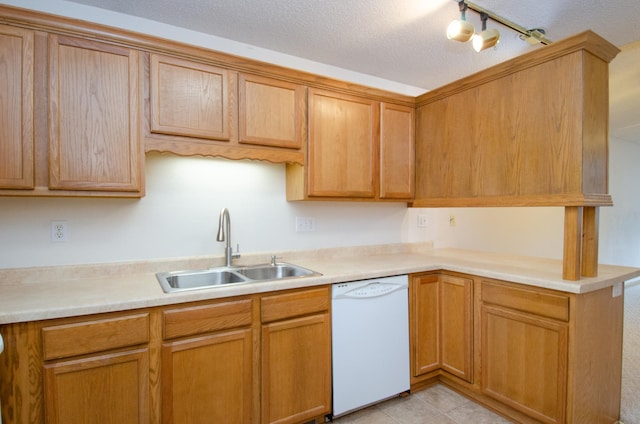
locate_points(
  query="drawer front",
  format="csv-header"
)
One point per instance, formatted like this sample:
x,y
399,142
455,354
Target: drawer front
x,y
188,321
537,302
286,305
85,337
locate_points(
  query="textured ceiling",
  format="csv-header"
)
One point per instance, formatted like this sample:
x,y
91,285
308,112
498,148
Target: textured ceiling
x,y
402,40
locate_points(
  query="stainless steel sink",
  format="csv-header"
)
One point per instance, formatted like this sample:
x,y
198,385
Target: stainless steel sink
x,y
177,281
275,272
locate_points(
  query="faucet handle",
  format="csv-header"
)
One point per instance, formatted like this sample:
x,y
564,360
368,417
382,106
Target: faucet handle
x,y
273,259
237,254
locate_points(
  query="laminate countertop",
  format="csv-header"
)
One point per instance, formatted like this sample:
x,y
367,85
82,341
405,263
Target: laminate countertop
x,y
30,294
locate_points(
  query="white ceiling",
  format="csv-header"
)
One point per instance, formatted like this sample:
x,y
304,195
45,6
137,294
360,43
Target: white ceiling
x,y
404,40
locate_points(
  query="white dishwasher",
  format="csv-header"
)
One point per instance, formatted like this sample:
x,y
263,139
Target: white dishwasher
x,y
370,346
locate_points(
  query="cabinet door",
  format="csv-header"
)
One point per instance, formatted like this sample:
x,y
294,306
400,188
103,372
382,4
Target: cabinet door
x,y
456,324
112,389
272,112
397,158
524,362
296,369
424,324
16,108
190,99
93,116
208,379
343,145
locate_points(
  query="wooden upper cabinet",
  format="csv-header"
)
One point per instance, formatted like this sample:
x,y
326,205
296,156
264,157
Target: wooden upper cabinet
x,y
343,145
190,99
93,116
16,108
397,154
271,112
529,131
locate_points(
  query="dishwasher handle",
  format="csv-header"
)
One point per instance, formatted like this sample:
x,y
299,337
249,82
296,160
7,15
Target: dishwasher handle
x,y
373,289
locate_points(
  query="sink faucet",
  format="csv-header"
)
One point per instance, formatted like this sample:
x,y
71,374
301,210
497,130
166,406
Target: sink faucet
x,y
224,233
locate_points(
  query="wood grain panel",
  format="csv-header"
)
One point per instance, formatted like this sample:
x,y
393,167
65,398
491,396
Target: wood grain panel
x,y
296,303
272,112
424,324
208,379
190,99
343,145
111,388
93,116
456,323
397,151
16,108
187,321
534,301
94,336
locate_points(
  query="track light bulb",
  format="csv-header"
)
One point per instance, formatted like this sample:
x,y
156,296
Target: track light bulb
x,y
487,38
460,30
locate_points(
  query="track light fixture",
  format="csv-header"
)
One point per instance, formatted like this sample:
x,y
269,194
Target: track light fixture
x,y
461,30
487,38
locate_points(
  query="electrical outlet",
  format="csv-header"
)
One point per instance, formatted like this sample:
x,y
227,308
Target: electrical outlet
x,y
305,224
59,231
422,221
452,220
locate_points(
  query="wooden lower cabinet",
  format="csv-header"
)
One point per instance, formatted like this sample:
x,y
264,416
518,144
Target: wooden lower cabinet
x,y
247,359
531,354
441,325
112,388
296,356
208,379
524,362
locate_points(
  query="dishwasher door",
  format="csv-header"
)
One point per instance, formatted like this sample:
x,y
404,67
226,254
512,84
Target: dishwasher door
x,y
370,346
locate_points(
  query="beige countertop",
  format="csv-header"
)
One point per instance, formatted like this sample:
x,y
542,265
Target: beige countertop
x,y
29,294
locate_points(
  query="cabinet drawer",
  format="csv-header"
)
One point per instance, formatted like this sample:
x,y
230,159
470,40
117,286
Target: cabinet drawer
x,y
207,318
298,303
537,302
85,337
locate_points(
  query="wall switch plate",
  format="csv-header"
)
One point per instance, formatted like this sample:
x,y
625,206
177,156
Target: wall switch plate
x,y
616,290
305,224
423,221
59,231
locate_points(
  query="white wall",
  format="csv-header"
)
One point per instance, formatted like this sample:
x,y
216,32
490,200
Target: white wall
x,y
179,217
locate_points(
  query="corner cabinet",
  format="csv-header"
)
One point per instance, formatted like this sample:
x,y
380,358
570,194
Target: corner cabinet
x,y
441,325
530,353
358,149
93,116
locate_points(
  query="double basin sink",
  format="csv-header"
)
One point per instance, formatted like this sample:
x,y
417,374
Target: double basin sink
x,y
177,281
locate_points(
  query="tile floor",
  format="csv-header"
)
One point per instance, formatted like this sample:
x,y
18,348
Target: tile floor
x,y
435,405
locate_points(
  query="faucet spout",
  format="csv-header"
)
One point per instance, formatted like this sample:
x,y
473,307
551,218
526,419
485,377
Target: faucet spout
x,y
224,234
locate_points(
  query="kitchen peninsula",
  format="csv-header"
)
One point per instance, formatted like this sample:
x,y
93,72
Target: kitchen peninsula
x,y
61,317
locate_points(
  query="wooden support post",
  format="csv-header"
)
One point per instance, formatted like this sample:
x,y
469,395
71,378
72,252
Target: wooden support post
x,y
590,241
571,261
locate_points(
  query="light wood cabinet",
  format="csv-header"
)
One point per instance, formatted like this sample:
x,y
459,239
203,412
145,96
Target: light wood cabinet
x,y
191,99
16,108
358,149
272,112
441,325
93,116
397,151
208,363
525,350
343,145
97,371
296,356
